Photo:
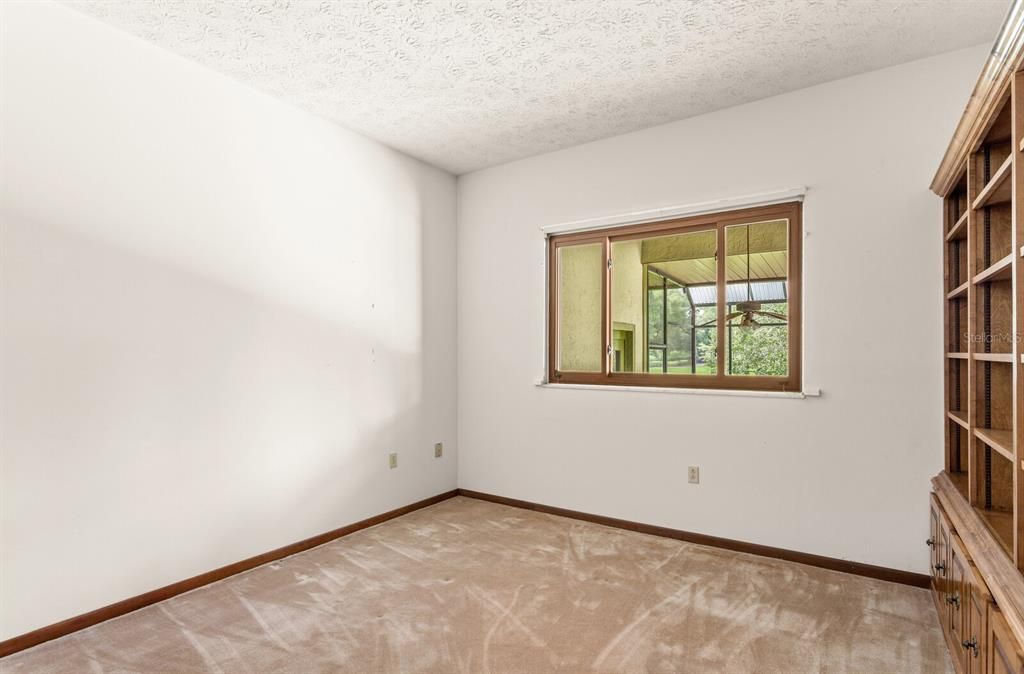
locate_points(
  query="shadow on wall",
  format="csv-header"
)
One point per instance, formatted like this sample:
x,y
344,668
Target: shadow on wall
x,y
159,423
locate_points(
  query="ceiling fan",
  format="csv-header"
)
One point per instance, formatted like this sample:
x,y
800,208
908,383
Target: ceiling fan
x,y
745,311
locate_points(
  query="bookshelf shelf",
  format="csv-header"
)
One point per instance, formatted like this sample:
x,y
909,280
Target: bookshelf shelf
x,y
958,291
958,231
994,357
998,188
999,439
1000,523
1001,270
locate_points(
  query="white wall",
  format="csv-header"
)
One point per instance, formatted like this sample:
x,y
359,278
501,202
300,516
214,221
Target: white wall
x,y
845,475
219,315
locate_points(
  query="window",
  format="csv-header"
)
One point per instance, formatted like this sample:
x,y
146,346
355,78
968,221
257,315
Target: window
x,y
656,304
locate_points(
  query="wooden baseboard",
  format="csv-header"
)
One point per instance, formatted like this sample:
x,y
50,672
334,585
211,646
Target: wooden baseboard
x,y
846,566
36,637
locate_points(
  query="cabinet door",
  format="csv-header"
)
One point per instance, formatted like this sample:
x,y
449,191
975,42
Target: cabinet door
x,y
957,598
1003,654
977,633
976,607
940,568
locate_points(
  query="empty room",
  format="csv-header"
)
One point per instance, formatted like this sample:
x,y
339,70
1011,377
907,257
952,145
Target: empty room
x,y
512,336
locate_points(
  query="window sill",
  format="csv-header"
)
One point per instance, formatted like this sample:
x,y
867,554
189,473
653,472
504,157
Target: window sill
x,y
799,395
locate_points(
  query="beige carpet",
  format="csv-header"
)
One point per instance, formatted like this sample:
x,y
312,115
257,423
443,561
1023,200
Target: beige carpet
x,y
469,586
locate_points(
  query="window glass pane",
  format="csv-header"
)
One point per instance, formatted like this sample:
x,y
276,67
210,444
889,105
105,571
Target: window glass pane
x,y
655,358
706,339
580,273
655,316
655,309
680,334
757,330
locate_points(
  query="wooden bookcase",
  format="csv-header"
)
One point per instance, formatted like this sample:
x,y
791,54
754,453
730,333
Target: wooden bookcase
x,y
977,508
982,357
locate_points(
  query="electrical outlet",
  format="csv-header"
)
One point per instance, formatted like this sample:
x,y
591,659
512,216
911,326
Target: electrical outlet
x,y
693,475
438,450
393,460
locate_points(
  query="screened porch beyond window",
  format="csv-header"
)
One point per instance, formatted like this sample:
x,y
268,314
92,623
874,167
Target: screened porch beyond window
x,y
679,317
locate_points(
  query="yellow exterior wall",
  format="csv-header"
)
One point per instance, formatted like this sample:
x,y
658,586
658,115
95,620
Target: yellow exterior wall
x,y
579,307
580,269
628,294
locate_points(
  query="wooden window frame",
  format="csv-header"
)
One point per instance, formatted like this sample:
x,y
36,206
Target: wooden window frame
x,y
792,211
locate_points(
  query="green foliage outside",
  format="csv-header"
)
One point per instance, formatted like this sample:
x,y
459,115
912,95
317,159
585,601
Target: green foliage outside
x,y
761,351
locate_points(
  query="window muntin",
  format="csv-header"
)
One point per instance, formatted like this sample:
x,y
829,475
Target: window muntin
x,y
666,305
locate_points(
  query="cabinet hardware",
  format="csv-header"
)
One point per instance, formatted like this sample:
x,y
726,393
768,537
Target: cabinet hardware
x,y
953,599
971,645
940,567
930,542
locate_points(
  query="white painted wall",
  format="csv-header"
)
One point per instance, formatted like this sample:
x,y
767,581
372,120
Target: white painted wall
x,y
219,315
845,475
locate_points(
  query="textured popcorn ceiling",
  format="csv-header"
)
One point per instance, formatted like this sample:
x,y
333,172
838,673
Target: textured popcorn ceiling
x,y
465,84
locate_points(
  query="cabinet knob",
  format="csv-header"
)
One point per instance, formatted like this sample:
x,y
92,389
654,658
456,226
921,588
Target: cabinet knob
x,y
971,645
930,542
941,568
953,599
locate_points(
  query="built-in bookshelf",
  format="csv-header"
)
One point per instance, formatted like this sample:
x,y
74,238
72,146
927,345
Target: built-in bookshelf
x,y
977,511
981,258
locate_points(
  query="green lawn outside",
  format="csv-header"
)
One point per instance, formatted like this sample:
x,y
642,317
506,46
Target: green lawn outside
x,y
703,368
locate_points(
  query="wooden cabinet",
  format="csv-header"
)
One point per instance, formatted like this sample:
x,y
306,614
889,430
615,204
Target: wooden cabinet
x,y
980,638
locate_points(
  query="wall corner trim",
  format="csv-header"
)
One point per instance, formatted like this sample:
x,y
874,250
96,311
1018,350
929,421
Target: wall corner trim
x,y
678,211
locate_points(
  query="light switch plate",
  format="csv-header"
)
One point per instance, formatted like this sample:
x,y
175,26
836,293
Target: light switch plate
x,y
393,460
693,475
